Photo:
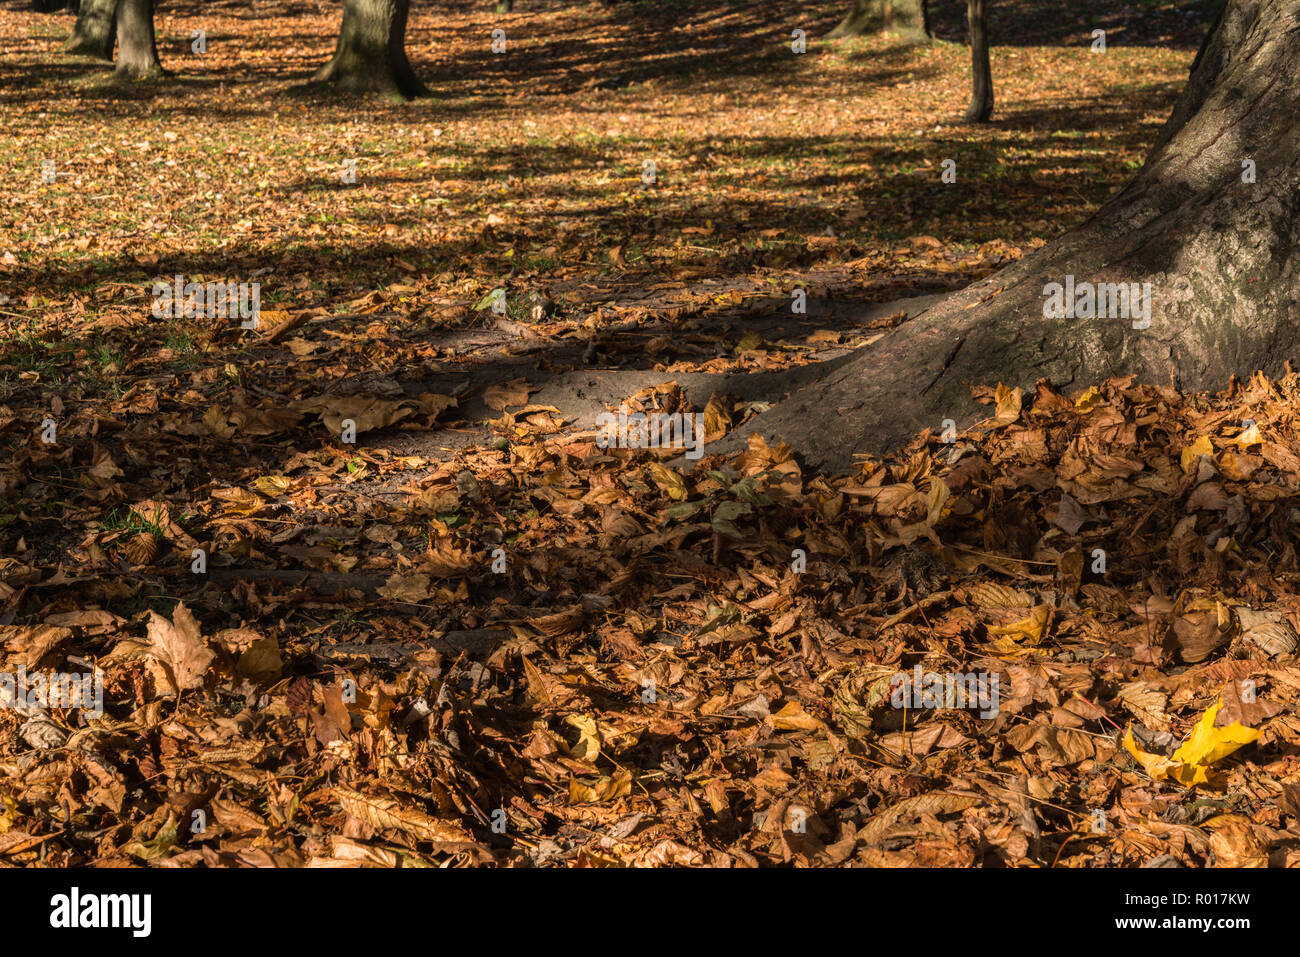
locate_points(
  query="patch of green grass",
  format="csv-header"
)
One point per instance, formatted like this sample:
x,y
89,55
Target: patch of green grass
x,y
538,263
180,340
30,353
119,520
105,359
518,309
348,620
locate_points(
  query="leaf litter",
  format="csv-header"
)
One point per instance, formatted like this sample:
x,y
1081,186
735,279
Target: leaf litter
x,y
348,682
693,667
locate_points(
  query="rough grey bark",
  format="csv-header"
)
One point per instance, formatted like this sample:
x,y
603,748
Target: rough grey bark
x,y
981,101
907,18
371,53
1221,255
137,48
95,30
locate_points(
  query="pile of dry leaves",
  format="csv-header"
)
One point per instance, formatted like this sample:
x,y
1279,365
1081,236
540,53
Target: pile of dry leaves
x,y
549,653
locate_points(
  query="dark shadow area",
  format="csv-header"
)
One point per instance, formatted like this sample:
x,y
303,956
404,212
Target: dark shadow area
x,y
1014,23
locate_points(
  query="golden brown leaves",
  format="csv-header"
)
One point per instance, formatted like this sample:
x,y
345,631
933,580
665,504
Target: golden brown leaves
x,y
604,788
387,813
861,697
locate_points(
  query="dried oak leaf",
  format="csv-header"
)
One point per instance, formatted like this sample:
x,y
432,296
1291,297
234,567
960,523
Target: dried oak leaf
x,y
1233,841
861,698
91,621
385,813
935,802
406,587
603,788
366,412
262,661
1007,409
34,642
1146,703
444,560
42,733
994,595
560,623
1268,630
1200,631
334,722
498,397
141,549
298,696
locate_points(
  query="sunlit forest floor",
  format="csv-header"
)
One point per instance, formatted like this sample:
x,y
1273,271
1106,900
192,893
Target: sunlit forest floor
x,y
472,635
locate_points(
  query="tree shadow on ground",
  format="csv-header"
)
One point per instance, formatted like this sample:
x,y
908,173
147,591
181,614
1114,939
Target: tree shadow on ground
x,y
1070,23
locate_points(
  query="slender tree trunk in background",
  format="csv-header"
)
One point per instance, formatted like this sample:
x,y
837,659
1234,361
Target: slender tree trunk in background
x,y
95,30
137,50
1211,222
981,101
505,6
371,52
907,18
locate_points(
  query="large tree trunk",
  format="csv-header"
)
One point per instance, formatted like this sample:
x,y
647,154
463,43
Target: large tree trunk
x,y
981,101
95,30
137,50
371,52
1219,252
907,18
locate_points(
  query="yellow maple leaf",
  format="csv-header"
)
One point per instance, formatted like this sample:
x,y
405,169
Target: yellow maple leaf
x,y
1192,453
1089,399
10,815
1190,764
1209,744
589,742
1156,765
